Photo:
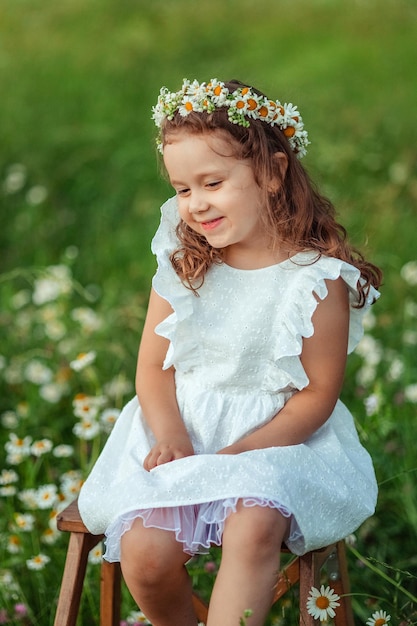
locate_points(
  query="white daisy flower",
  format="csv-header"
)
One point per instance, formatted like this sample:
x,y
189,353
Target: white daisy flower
x,y
9,419
118,386
38,448
56,282
29,498
63,451
95,556
87,318
53,392
46,496
409,272
36,195
83,360
38,562
50,536
71,485
137,617
108,419
321,603
8,491
8,476
379,618
86,429
410,393
14,544
38,373
85,407
24,522
18,446
372,404
15,178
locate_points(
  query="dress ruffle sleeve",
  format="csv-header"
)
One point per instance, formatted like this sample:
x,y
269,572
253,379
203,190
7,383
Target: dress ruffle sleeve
x,y
307,288
168,285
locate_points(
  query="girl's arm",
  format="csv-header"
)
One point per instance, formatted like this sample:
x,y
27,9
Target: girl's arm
x,y
324,360
155,388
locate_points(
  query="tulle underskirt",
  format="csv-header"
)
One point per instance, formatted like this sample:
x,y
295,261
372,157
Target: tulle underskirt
x,y
197,526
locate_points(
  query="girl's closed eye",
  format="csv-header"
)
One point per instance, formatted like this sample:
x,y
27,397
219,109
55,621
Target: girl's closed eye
x,y
182,192
214,184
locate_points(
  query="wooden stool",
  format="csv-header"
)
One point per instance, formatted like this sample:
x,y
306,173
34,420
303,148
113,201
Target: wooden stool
x,y
304,570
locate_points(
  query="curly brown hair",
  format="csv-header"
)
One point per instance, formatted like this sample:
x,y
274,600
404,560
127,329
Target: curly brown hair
x,y
296,215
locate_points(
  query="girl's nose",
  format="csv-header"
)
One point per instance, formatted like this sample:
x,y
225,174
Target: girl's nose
x,y
197,203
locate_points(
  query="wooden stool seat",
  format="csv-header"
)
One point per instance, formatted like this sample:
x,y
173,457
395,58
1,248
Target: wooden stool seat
x,y
304,570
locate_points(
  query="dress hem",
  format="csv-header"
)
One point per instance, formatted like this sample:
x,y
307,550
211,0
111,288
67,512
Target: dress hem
x,y
197,526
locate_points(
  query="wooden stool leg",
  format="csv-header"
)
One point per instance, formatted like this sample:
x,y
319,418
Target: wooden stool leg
x,y
340,583
309,577
310,566
200,608
110,591
79,546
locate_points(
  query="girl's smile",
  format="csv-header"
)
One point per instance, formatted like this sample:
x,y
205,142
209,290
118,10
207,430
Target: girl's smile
x,y
218,196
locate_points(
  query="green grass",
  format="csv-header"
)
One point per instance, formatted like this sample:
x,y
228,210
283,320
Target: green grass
x,y
78,82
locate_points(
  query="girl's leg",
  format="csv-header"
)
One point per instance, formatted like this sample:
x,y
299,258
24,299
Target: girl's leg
x,y
153,566
250,565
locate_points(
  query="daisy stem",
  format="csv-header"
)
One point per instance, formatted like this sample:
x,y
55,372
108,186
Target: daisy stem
x,y
375,569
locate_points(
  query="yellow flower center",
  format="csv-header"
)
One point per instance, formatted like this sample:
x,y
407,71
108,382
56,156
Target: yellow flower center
x,y
263,111
380,621
289,131
322,602
217,90
245,91
188,106
252,104
240,104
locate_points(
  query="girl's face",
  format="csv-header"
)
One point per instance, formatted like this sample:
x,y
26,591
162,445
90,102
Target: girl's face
x,y
218,196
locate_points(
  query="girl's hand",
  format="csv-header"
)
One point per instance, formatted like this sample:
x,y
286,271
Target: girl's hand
x,y
169,449
235,448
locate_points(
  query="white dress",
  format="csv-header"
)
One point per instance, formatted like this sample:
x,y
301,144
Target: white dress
x,y
236,352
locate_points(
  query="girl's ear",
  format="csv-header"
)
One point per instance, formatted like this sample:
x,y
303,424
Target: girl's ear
x,y
280,168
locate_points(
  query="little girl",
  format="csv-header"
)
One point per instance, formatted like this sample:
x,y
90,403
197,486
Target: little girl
x,y
237,436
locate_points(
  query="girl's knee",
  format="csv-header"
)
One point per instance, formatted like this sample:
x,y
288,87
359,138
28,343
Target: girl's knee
x,y
150,555
257,530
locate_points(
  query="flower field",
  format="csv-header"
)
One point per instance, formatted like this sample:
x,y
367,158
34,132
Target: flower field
x,y
80,193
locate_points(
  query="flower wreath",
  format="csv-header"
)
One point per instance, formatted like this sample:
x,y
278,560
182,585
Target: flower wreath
x,y
243,105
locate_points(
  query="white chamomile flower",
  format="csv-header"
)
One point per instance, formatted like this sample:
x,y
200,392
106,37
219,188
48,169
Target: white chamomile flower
x,y
24,522
379,618
50,536
86,429
108,419
8,476
83,360
38,448
63,451
18,445
321,603
38,562
46,496
137,617
409,272
95,556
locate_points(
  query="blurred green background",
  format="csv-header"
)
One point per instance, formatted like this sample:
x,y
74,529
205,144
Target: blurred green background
x,y
79,79
80,181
